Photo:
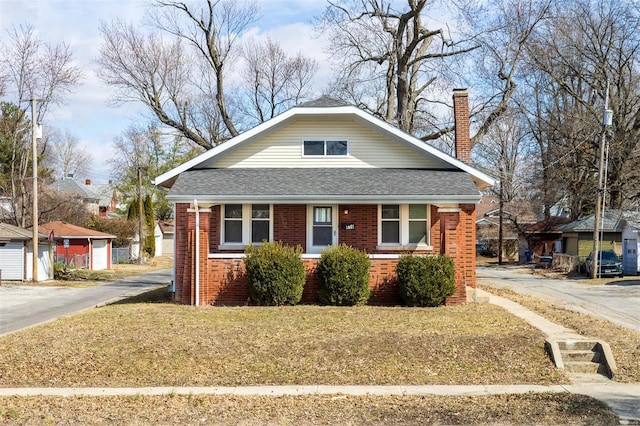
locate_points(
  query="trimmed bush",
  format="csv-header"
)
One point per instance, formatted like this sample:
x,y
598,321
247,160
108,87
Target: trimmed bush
x,y
425,281
343,273
275,274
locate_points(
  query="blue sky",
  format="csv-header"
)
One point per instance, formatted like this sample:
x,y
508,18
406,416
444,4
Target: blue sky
x,y
87,113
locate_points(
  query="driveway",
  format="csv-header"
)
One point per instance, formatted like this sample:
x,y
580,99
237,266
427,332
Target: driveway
x,y
618,302
23,306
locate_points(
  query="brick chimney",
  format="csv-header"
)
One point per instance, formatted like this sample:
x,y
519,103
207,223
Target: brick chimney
x,y
461,124
87,181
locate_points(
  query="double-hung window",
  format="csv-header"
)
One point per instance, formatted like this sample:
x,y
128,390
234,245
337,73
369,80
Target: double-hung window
x,y
403,225
246,223
329,147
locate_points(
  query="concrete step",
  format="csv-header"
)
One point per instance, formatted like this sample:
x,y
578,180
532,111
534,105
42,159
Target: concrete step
x,y
579,355
582,367
577,345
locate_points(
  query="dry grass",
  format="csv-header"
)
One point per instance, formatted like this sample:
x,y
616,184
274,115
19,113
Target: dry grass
x,y
625,343
561,409
170,345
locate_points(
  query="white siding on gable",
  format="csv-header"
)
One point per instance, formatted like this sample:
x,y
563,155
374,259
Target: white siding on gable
x,y
283,148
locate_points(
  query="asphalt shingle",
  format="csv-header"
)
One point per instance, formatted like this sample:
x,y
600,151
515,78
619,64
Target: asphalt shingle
x,y
323,182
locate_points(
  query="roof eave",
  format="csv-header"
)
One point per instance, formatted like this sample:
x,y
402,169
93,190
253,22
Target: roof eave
x,y
334,199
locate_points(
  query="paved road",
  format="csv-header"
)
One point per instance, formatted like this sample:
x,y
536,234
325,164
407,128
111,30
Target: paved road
x,y
618,303
23,306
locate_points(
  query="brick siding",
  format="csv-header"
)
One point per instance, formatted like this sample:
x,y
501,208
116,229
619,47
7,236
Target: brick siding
x,y
223,280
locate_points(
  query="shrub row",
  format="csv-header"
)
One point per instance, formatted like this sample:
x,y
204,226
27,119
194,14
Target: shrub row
x,y
276,276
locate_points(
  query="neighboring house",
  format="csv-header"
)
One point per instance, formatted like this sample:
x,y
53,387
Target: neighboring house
x,y
164,238
16,254
81,247
517,215
577,236
99,199
322,174
544,238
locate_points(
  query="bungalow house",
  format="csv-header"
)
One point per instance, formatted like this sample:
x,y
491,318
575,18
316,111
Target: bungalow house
x,y
16,254
320,174
81,247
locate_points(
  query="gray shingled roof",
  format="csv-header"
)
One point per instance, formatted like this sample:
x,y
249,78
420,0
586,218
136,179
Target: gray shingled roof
x,y
314,183
101,193
611,222
324,102
11,232
70,185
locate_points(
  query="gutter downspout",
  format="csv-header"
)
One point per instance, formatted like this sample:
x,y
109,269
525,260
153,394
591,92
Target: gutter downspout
x,y
197,253
172,287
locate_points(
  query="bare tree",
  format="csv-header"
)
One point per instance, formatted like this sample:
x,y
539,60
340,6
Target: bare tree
x,y
65,155
147,150
30,68
583,46
274,81
372,40
180,72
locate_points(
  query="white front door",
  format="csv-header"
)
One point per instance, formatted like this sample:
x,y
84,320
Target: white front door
x,y
322,230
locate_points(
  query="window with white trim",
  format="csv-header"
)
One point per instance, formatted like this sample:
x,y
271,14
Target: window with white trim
x,y
246,223
403,225
329,147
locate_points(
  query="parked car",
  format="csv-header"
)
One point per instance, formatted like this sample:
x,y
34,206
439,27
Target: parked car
x,y
609,264
485,250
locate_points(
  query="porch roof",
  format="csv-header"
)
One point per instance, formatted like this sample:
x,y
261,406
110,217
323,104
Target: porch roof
x,y
325,185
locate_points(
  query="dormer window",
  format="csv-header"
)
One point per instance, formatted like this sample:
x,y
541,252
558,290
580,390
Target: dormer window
x,y
329,147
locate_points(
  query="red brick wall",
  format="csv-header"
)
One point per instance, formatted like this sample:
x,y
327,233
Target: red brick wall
x,y
228,283
290,224
364,236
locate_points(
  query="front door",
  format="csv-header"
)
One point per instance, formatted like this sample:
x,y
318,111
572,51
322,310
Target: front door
x,y
321,226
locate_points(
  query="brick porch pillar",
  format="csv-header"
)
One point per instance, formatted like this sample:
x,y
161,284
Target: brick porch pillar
x,y
452,244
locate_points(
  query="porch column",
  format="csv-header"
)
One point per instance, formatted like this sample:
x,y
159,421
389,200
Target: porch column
x,y
452,245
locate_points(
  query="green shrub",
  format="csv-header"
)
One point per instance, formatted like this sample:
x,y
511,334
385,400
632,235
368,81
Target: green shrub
x,y
425,281
275,274
344,276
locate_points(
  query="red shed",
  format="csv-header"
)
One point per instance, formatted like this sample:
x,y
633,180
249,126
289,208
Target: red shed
x,y
81,247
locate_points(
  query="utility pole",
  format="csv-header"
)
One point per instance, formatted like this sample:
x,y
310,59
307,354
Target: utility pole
x,y
140,215
607,119
35,130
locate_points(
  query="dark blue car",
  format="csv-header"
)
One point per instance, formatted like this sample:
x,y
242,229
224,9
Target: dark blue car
x,y
609,264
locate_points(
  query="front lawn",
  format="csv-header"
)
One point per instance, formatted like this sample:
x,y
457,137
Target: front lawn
x,y
625,343
529,409
143,344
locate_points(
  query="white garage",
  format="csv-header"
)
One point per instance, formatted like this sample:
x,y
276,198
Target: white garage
x,y
16,258
12,257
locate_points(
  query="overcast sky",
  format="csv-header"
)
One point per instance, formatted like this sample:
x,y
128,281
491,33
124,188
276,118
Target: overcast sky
x,y
75,22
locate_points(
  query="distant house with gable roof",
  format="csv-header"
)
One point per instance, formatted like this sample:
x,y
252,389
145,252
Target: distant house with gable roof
x,y
99,199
